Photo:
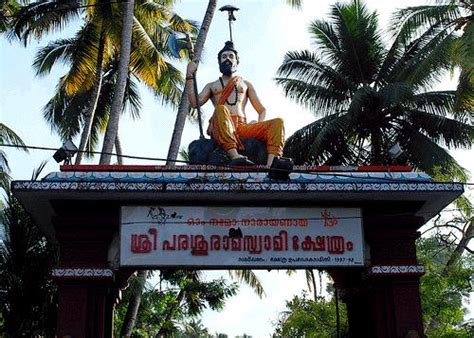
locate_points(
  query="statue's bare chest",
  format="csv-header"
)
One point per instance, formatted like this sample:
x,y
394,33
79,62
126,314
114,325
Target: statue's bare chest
x,y
238,93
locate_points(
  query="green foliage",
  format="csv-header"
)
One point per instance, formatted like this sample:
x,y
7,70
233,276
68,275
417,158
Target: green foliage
x,y
27,292
8,9
182,300
371,96
154,22
194,329
7,136
449,16
304,317
444,290
250,278
61,110
294,3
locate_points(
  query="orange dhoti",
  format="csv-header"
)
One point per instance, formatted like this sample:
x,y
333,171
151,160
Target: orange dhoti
x,y
226,129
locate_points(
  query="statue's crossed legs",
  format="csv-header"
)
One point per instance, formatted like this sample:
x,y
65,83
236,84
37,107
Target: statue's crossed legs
x,y
226,129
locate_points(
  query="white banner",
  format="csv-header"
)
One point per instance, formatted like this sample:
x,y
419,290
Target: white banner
x,y
250,237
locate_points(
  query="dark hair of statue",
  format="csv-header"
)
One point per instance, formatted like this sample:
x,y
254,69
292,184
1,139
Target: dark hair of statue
x,y
229,46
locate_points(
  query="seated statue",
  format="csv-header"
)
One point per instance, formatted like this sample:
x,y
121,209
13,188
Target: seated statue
x,y
229,95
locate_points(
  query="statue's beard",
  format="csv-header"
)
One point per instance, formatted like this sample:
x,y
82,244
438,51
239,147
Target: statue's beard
x,y
227,68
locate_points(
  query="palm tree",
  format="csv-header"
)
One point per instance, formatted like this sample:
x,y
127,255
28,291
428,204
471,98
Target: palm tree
x,y
27,301
64,112
117,102
92,50
450,16
371,97
194,328
166,78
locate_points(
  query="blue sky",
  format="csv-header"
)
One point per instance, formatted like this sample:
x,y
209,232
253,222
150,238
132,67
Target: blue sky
x,y
263,32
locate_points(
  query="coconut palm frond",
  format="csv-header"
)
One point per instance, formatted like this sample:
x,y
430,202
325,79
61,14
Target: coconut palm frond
x,y
429,63
37,171
426,155
309,144
64,112
321,100
325,37
294,3
250,278
168,86
436,102
47,56
82,57
309,67
407,21
7,135
361,44
374,96
439,129
39,18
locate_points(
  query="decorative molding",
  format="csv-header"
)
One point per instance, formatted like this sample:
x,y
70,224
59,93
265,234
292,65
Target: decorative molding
x,y
210,167
234,186
82,273
229,176
381,270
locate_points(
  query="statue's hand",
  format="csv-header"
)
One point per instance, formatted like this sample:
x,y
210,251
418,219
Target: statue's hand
x,y
192,67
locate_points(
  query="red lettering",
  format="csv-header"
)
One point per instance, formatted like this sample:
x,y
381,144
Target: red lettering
x,y
215,242
183,242
236,244
267,242
320,244
280,241
296,246
349,246
168,246
253,244
154,233
308,244
335,244
199,245
140,243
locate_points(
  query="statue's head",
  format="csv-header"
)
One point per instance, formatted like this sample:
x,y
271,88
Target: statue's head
x,y
228,59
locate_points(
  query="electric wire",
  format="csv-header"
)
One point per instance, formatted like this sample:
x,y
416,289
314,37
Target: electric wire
x,y
227,166
168,221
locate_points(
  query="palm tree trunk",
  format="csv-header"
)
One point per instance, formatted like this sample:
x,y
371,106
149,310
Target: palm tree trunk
x,y
125,47
183,108
172,310
462,245
118,150
320,275
86,132
315,291
376,147
311,281
133,306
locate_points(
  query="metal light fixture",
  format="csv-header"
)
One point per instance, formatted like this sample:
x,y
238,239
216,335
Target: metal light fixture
x,y
395,151
281,168
65,153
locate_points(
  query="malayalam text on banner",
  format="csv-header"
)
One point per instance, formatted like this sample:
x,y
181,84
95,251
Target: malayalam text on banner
x,y
253,237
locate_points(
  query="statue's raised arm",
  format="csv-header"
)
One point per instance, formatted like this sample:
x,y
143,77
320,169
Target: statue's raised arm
x,y
206,92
